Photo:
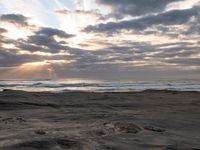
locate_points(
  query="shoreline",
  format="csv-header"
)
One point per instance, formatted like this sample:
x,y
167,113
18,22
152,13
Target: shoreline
x,y
146,120
79,91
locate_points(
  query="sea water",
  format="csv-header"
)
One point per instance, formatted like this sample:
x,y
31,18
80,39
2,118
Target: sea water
x,y
76,85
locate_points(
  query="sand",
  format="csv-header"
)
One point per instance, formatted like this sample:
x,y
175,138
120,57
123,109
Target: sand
x,y
148,120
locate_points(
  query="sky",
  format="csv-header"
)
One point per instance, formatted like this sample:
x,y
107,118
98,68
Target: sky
x,y
100,39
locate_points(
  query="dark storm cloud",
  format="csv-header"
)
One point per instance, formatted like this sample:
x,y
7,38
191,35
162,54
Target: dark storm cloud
x,y
52,32
173,17
136,7
17,19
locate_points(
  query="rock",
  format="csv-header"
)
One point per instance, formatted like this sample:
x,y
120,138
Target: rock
x,y
155,129
40,132
121,127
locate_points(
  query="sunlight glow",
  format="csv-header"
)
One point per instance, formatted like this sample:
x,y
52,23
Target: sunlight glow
x,y
44,53
15,32
182,4
42,69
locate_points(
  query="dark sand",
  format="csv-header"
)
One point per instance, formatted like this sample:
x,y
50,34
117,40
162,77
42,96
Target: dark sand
x,y
149,120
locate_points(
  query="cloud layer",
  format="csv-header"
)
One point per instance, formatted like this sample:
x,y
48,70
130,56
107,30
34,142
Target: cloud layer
x,y
139,39
136,7
17,19
173,17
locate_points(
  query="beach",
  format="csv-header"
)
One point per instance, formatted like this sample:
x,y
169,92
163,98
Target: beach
x,y
146,120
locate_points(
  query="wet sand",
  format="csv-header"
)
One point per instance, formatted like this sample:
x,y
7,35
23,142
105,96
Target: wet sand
x,y
148,120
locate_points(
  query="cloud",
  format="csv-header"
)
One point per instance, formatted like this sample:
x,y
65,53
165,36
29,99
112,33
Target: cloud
x,y
136,7
185,61
17,19
173,17
119,58
78,12
3,39
44,31
40,43
2,30
47,41
93,13
63,12
8,58
44,40
128,55
31,47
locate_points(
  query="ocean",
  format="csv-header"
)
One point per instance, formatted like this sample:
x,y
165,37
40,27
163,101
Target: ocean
x,y
77,85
